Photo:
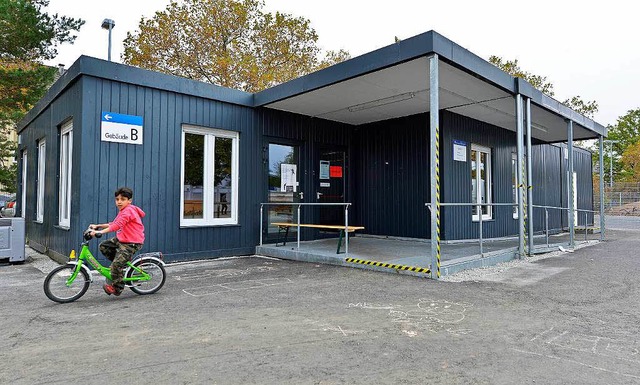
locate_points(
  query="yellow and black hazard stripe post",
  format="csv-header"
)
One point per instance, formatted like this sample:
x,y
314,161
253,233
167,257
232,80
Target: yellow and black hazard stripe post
x,y
394,266
525,202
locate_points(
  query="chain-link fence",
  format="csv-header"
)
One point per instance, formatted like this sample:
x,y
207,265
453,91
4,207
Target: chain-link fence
x,y
620,199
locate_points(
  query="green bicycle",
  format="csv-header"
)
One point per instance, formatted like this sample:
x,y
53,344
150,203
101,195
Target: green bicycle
x,y
145,274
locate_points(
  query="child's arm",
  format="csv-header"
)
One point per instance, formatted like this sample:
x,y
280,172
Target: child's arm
x,y
99,227
102,229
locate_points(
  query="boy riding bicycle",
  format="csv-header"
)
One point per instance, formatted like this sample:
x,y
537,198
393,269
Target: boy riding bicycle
x,y
128,240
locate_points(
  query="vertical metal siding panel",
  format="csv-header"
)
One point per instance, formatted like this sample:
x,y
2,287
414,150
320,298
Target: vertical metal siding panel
x,y
538,181
389,172
563,193
165,204
554,189
139,107
584,172
89,148
157,204
174,182
456,177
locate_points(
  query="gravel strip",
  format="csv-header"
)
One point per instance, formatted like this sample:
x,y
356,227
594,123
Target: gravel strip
x,y
481,272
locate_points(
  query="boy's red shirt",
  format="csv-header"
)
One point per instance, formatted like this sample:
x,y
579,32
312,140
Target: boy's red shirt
x,y
128,225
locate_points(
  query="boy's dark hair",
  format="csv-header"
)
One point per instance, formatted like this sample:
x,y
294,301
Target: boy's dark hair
x,y
125,192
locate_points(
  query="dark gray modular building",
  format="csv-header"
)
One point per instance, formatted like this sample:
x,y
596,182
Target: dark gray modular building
x,y
418,124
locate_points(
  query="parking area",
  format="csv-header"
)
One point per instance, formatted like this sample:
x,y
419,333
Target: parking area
x,y
570,318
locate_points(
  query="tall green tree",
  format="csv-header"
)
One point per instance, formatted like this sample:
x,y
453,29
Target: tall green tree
x,y
231,43
512,67
28,36
624,135
631,162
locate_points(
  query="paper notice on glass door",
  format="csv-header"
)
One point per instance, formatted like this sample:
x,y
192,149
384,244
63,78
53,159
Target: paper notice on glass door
x,y
324,169
288,178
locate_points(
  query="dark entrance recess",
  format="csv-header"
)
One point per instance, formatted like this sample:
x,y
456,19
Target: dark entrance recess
x,y
331,186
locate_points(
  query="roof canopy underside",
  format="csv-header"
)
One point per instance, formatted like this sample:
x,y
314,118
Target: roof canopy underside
x,y
403,89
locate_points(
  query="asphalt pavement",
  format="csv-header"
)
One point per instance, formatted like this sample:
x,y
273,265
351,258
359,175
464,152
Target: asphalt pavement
x,y
568,319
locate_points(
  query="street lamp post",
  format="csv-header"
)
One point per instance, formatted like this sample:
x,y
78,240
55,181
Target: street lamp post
x,y
611,142
108,24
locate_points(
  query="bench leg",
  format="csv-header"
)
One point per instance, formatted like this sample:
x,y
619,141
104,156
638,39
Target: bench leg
x,y
340,241
285,230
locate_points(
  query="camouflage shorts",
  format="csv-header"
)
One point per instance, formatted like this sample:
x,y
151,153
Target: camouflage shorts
x,y
119,254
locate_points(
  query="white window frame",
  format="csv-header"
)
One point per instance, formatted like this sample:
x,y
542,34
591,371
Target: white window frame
x,y
208,203
64,192
42,153
489,197
23,197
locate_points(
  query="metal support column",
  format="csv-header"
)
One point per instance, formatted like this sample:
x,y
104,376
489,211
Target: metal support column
x,y
570,182
519,169
529,183
601,163
434,162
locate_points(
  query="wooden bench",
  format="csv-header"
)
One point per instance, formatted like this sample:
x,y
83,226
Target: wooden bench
x,y
283,228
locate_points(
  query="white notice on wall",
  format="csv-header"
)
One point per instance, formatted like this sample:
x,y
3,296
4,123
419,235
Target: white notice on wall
x,y
324,169
288,178
459,150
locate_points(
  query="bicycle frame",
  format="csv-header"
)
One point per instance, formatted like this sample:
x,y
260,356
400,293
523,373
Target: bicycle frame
x,y
85,255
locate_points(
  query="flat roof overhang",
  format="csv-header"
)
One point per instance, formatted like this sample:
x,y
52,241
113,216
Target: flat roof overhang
x,y
393,82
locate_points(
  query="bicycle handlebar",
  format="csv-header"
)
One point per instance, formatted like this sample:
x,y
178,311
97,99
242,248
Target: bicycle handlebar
x,y
87,234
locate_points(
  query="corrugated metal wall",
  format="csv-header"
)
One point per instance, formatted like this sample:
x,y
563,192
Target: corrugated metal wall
x,y
392,165
456,177
46,126
153,169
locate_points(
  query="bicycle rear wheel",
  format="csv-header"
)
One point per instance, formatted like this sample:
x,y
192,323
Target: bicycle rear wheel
x,y
151,267
56,288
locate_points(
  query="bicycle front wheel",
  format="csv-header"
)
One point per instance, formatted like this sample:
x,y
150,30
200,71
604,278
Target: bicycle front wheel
x,y
155,270
57,289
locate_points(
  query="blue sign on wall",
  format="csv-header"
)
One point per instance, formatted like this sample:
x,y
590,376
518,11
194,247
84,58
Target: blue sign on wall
x,y
121,128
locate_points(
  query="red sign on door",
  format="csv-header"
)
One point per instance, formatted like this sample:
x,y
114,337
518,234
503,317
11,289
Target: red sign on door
x,y
335,171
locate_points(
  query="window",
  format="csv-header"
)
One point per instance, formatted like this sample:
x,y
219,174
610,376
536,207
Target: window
x,y
23,198
64,193
40,181
481,180
209,177
514,184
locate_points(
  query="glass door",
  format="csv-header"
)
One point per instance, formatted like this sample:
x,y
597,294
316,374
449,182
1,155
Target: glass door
x,y
283,187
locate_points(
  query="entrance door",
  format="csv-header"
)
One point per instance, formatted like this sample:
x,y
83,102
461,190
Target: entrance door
x,y
331,186
283,187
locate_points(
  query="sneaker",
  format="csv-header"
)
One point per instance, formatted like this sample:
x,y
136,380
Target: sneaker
x,y
110,289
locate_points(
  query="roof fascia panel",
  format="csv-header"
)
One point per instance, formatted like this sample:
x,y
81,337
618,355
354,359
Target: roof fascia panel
x,y
86,65
390,55
461,57
555,106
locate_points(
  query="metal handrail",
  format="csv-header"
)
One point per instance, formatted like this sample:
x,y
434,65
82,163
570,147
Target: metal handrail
x,y
480,220
299,204
479,206
546,219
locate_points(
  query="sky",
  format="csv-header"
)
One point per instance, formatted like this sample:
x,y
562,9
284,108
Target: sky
x,y
585,48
